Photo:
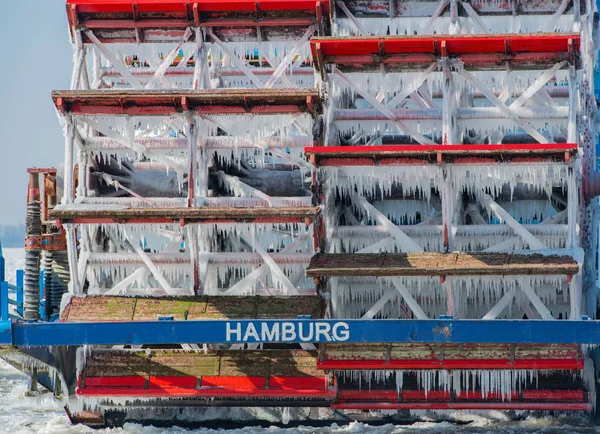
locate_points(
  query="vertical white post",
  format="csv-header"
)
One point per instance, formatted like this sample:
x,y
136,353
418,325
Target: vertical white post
x,y
69,132
575,294
454,23
448,213
199,63
97,69
193,165
450,297
572,121
572,210
74,285
82,170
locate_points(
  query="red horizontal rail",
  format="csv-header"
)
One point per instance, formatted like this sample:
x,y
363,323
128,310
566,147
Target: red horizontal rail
x,y
537,364
434,149
564,406
210,386
391,396
163,220
120,6
395,155
445,45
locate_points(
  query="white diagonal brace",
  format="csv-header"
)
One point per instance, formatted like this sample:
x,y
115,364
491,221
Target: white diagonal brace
x,y
525,235
385,110
235,59
489,94
441,6
535,300
389,294
507,244
404,241
411,87
408,298
116,63
378,246
167,61
351,17
234,181
476,18
500,306
150,265
114,183
288,59
275,63
550,27
374,310
121,287
276,272
536,86
131,144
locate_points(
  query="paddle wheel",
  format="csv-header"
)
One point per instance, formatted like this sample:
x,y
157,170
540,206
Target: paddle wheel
x,y
299,210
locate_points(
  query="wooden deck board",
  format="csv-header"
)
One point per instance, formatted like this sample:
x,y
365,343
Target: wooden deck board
x,y
438,264
164,102
442,351
264,363
107,308
188,214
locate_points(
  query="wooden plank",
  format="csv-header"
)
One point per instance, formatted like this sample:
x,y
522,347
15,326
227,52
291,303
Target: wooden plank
x,y
101,308
438,264
180,308
158,362
164,102
444,351
187,214
119,308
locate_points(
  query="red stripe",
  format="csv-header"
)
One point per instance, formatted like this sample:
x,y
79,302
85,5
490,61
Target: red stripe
x,y
564,406
116,6
399,149
367,395
300,383
553,395
233,382
125,381
173,381
458,45
420,395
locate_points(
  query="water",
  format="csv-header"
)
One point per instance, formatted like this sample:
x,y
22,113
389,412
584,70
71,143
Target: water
x,y
44,414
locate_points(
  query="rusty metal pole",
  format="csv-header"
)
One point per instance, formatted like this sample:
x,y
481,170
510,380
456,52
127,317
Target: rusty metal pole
x,y
33,244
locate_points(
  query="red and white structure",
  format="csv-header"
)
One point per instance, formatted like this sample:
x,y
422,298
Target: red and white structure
x,y
389,159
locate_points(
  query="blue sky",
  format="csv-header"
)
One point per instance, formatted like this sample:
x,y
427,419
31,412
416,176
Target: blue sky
x,y
35,58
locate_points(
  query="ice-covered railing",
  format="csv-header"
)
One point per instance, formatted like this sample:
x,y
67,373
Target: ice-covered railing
x,y
231,259
356,17
353,297
11,296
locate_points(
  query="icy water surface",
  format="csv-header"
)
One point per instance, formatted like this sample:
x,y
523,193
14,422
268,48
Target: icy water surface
x,y
44,414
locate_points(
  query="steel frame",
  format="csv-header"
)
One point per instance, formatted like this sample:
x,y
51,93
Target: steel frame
x,y
448,61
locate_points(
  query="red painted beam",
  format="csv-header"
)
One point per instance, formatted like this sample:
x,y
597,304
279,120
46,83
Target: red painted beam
x,y
207,386
388,155
473,50
179,14
174,6
561,406
434,149
162,220
536,364
454,45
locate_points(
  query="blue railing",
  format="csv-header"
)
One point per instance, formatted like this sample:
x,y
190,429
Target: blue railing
x,y
10,295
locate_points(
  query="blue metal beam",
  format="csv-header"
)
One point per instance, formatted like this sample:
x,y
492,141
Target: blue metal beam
x,y
303,330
